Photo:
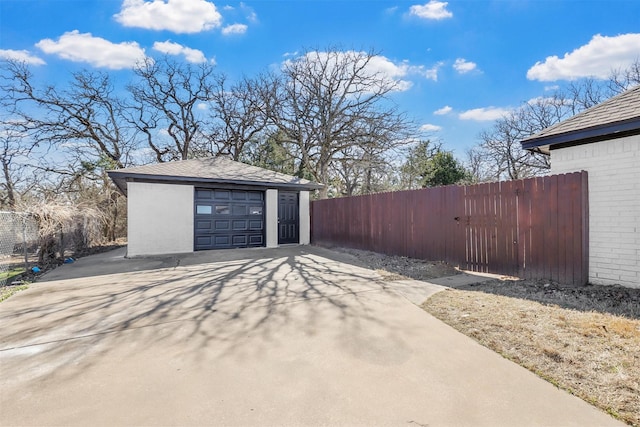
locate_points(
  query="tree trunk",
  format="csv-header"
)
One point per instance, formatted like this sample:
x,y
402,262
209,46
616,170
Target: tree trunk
x,y
11,197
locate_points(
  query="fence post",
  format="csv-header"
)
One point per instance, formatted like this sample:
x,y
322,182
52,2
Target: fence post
x,y
24,242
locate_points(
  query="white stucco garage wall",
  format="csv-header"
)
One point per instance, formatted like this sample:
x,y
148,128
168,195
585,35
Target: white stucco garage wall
x,y
305,218
614,206
160,218
271,218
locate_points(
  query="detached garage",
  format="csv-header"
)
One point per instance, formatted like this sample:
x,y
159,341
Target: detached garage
x,y
212,203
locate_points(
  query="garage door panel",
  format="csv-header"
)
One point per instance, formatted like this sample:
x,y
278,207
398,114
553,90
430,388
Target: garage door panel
x,y
256,240
240,224
222,194
228,219
239,210
203,224
222,241
203,240
256,225
240,240
222,225
203,194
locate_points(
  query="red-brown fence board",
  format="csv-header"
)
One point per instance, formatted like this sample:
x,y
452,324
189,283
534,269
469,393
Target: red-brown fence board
x,y
532,228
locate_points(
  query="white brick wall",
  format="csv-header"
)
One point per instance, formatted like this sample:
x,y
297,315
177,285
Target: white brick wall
x,y
614,206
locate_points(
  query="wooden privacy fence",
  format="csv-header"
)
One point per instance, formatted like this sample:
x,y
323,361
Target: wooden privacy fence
x,y
532,228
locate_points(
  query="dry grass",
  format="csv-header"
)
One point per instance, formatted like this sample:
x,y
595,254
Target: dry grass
x,y
8,290
594,355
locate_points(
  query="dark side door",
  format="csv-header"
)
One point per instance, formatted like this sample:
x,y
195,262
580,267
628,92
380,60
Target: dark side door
x,y
288,217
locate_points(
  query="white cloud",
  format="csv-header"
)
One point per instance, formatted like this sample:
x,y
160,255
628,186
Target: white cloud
x,y
463,66
428,73
433,10
178,16
395,71
21,56
484,114
234,29
430,128
595,59
96,51
552,87
202,106
383,65
170,48
442,111
379,65
249,13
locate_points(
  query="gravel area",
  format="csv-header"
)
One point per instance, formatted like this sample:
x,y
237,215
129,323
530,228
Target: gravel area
x,y
392,267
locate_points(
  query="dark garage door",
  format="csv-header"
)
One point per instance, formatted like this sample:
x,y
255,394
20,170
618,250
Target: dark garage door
x,y
228,219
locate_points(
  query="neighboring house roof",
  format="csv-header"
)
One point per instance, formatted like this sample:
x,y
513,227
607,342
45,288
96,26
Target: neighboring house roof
x,y
614,118
209,171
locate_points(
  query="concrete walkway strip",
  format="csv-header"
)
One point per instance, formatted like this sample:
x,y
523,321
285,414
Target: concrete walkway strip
x,y
290,336
418,291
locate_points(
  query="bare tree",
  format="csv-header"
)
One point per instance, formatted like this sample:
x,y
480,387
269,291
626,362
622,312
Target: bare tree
x,y
499,154
359,171
166,107
86,118
325,102
500,151
15,148
80,132
238,115
623,79
367,165
584,94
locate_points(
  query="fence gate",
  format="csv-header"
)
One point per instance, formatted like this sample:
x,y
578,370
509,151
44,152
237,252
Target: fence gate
x,y
491,228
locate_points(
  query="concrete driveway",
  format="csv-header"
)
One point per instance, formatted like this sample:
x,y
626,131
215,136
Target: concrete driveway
x,y
290,336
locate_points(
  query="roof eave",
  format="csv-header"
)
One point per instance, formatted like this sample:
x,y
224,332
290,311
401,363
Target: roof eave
x,y
121,178
596,133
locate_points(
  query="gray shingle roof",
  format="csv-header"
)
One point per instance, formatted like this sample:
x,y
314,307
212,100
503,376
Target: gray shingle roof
x,y
618,114
209,170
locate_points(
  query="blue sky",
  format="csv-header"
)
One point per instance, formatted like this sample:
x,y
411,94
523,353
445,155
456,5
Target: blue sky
x,y
461,63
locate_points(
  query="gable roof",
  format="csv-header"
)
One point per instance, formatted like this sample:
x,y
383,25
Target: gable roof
x,y
209,170
617,117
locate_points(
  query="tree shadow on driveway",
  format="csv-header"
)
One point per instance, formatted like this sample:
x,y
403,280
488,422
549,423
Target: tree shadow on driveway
x,y
215,307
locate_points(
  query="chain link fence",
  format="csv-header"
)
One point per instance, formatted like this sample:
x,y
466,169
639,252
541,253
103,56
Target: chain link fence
x,y
18,243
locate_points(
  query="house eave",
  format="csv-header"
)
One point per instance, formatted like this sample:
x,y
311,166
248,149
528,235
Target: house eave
x,y
545,144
